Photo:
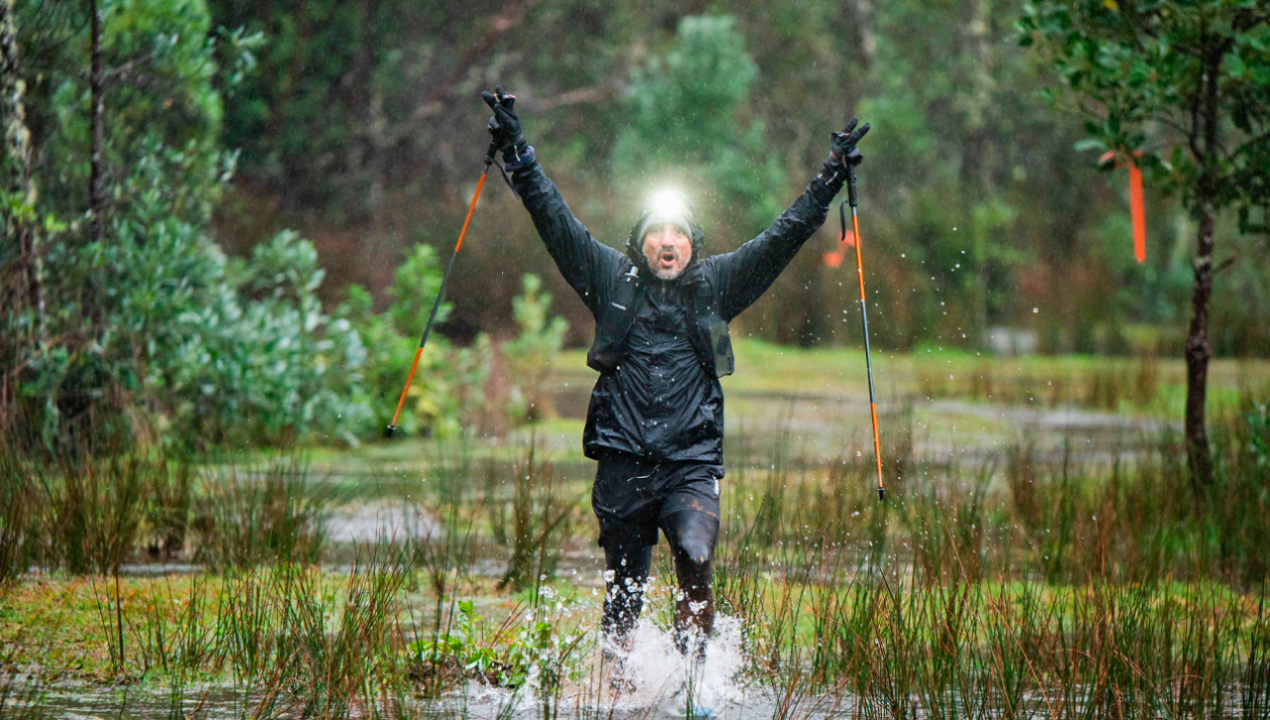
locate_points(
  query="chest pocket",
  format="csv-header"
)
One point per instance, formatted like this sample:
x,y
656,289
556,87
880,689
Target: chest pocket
x,y
614,323
712,328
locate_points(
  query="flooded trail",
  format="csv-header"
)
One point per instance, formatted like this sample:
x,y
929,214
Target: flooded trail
x,y
662,681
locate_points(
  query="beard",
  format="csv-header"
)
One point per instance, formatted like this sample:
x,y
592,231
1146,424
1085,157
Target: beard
x,y
670,274
667,273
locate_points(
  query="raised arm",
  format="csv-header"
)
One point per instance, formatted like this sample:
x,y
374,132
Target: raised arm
x,y
742,276
588,265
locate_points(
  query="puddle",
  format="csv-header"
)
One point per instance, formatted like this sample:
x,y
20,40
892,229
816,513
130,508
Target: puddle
x,y
72,702
368,522
654,665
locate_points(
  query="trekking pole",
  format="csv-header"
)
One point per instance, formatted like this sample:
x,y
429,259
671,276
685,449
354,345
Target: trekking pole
x,y
864,317
489,159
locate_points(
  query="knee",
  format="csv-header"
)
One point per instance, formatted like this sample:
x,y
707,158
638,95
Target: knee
x,y
696,552
692,564
694,538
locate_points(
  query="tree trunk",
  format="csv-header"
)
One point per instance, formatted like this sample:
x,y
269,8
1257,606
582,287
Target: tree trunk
x,y
96,82
1198,352
19,227
96,183
862,12
12,242
17,146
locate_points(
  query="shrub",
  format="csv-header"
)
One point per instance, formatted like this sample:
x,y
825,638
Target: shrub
x,y
530,356
446,390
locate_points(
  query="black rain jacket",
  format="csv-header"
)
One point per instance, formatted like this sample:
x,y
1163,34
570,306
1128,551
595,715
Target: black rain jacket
x,y
633,410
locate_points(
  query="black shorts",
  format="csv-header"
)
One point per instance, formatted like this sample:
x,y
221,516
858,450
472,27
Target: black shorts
x,y
632,495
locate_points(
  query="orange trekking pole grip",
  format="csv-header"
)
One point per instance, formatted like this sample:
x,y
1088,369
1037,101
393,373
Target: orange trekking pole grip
x,y
489,158
864,316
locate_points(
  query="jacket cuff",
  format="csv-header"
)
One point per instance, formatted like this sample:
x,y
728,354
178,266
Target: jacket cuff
x,y
824,192
512,163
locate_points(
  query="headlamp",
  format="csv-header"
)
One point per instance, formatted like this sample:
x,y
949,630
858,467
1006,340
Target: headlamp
x,y
668,203
666,207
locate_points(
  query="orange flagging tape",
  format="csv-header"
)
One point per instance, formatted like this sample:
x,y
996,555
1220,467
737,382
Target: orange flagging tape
x,y
1137,214
1137,211
835,258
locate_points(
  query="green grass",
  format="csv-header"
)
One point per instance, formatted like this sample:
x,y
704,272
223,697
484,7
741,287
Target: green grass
x,y
763,367
1008,581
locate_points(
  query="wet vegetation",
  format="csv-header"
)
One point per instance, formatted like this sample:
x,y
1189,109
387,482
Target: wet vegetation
x,y
1021,583
197,518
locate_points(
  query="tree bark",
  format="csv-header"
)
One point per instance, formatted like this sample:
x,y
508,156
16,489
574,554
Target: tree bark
x,y
21,228
1198,351
96,184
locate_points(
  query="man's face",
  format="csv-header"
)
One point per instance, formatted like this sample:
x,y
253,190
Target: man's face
x,y
668,250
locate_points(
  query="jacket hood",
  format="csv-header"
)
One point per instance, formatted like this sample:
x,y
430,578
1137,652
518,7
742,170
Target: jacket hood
x,y
635,245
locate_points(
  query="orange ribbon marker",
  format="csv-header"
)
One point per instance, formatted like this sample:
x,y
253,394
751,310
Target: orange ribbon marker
x,y
834,259
1137,212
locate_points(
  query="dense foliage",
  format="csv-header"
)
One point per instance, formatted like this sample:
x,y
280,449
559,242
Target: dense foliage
x,y
234,129
364,128
154,333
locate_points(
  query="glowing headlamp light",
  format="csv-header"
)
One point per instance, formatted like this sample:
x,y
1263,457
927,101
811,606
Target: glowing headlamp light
x,y
668,203
666,207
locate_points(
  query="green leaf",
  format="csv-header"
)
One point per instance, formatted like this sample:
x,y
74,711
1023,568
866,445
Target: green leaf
x,y
1235,65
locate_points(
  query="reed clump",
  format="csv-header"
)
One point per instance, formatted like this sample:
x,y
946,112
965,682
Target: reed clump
x,y
1041,586
18,497
260,511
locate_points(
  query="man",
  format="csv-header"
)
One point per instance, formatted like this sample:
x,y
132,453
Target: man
x,y
655,422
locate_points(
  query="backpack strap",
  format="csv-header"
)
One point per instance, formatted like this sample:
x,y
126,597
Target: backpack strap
x,y
712,329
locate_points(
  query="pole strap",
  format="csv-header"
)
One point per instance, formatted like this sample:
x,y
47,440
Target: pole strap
x,y
506,179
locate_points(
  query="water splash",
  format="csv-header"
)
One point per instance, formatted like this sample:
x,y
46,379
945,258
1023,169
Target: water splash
x,y
658,673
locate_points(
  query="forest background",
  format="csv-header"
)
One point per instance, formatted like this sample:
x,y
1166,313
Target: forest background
x,y
277,182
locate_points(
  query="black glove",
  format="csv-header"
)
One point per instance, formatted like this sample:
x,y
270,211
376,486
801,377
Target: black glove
x,y
842,150
504,126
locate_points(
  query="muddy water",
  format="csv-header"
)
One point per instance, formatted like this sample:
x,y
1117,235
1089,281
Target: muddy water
x,y
661,684
477,702
370,521
82,703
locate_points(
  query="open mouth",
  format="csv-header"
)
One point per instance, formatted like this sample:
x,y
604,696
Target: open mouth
x,y
667,258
